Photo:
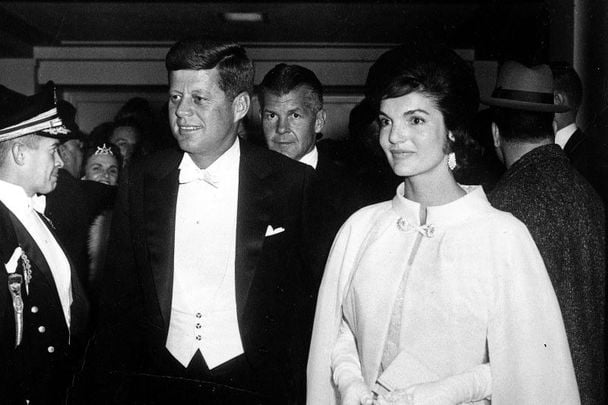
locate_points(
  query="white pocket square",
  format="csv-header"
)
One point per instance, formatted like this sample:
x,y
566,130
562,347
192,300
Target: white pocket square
x,y
271,231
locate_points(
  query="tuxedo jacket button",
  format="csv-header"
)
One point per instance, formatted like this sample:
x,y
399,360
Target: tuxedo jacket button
x,y
34,309
41,329
50,349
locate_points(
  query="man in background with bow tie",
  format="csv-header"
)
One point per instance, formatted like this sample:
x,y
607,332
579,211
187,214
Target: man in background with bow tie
x,y
292,114
43,310
208,289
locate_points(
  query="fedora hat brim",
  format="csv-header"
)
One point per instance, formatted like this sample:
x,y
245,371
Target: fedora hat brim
x,y
524,88
524,105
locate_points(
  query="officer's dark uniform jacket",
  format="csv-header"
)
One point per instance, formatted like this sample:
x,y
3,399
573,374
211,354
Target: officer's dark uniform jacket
x,y
40,369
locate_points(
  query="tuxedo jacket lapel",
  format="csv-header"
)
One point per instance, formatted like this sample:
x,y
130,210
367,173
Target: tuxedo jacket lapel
x,y
33,252
79,310
8,237
8,243
253,217
40,267
160,199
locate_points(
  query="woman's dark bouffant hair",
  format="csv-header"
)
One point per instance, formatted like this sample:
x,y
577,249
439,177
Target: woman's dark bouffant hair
x,y
436,71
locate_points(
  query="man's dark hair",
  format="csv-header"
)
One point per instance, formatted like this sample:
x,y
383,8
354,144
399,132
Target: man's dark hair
x,y
520,125
234,66
435,71
566,80
284,78
129,122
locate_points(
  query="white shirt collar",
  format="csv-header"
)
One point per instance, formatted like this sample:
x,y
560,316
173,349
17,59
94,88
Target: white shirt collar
x,y
563,135
14,197
311,158
225,167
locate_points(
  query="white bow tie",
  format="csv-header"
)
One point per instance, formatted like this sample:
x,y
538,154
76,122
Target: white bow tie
x,y
38,203
190,174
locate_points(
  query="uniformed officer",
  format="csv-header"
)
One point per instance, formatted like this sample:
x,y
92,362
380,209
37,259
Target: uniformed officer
x,y
43,310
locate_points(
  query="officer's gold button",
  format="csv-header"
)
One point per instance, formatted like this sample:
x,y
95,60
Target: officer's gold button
x,y
50,349
41,329
34,309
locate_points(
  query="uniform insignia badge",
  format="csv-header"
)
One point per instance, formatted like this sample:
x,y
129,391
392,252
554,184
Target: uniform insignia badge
x,y
15,281
14,286
27,271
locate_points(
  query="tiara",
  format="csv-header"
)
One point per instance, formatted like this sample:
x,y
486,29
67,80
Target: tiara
x,y
104,150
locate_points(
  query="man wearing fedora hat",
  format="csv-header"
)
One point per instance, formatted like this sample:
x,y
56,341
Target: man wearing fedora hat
x,y
43,310
560,208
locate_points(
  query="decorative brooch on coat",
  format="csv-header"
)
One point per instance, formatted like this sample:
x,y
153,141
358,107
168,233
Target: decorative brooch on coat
x,y
15,281
424,230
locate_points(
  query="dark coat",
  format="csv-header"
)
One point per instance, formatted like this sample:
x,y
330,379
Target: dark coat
x,y
41,367
272,276
339,196
566,219
589,156
72,206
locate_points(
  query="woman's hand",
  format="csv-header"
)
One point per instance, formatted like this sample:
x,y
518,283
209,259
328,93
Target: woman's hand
x,y
356,393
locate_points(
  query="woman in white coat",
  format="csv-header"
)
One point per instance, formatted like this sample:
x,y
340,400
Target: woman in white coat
x,y
434,297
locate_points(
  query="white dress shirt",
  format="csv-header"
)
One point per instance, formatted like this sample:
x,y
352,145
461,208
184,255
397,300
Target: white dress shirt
x,y
203,310
563,135
311,158
17,201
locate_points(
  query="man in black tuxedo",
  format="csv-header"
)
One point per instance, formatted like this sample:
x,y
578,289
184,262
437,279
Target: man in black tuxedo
x,y
292,114
207,287
43,309
588,154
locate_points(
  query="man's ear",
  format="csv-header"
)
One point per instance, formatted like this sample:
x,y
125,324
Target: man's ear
x,y
320,120
560,98
18,153
240,105
496,135
451,136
